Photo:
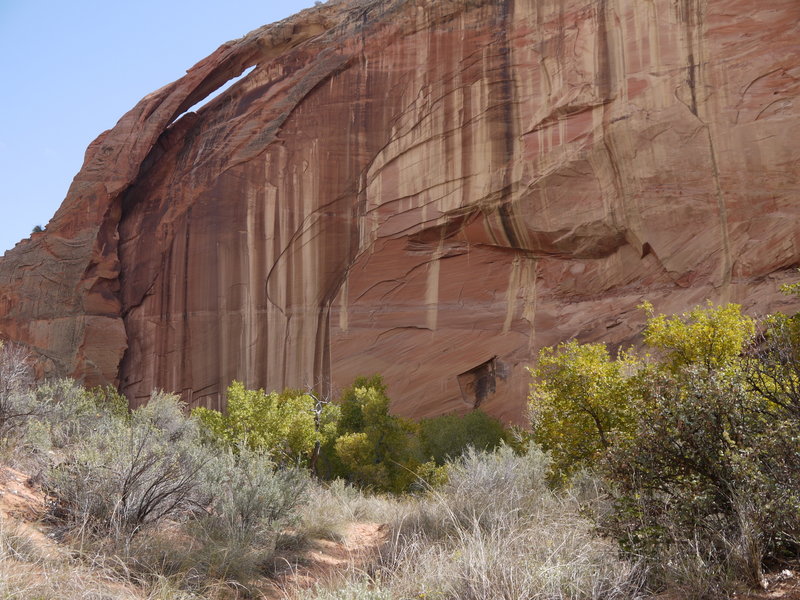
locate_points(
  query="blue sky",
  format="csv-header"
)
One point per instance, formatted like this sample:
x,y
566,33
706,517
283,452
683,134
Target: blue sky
x,y
71,69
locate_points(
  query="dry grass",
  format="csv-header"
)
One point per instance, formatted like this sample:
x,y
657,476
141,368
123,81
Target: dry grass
x,y
33,570
550,555
495,532
331,508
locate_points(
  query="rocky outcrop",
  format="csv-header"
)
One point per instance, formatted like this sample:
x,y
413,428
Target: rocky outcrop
x,y
426,189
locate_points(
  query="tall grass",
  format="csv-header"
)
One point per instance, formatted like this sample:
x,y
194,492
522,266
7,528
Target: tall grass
x,y
35,569
495,531
331,506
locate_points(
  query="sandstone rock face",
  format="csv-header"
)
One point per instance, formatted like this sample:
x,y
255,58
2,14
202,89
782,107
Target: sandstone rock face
x,y
426,189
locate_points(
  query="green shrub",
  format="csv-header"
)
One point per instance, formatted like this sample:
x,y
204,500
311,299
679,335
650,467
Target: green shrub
x,y
356,439
248,504
59,413
210,513
449,436
698,441
69,412
772,365
582,398
250,498
701,475
710,470
109,399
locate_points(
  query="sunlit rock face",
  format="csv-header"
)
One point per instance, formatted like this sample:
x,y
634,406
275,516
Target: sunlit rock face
x,y
426,189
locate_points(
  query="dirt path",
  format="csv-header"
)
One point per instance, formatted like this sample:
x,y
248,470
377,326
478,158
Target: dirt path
x,y
19,499
22,506
327,561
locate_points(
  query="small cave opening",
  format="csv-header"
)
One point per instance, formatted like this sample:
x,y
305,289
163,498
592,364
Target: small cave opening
x,y
479,383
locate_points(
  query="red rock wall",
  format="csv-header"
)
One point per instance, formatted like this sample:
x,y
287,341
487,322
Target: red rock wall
x,y
430,190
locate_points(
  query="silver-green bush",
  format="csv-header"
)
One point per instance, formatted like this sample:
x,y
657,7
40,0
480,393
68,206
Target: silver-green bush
x,y
495,531
128,475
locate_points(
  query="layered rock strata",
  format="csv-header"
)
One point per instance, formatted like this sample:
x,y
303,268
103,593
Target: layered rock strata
x,y
426,189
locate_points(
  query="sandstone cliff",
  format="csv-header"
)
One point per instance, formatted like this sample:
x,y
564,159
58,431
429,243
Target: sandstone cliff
x,y
426,189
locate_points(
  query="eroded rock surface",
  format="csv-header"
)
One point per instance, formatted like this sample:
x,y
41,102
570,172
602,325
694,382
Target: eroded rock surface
x,y
426,189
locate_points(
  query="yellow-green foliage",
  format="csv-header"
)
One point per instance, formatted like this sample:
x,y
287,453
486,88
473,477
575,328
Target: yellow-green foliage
x,y
580,398
111,399
373,447
281,423
715,453
791,289
356,439
709,336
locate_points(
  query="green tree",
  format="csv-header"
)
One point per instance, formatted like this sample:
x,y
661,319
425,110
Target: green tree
x,y
709,337
709,470
698,438
372,447
580,398
282,424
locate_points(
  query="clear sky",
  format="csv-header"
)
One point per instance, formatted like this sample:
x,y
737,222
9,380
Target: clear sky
x,y
71,69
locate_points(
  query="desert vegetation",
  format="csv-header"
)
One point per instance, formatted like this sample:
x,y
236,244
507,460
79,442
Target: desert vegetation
x,y
696,438
669,468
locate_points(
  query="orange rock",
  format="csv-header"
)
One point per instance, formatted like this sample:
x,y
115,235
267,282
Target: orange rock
x,y
426,190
